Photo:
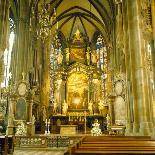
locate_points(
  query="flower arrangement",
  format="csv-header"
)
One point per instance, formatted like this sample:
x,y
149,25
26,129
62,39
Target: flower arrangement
x,y
21,129
96,131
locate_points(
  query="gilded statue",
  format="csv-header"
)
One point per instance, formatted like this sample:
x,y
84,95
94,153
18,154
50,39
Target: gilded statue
x,y
44,113
67,55
55,106
60,58
100,107
90,107
77,35
64,107
93,57
88,57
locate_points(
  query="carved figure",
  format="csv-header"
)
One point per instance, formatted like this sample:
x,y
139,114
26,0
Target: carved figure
x,y
93,57
90,107
33,119
108,121
55,106
100,107
67,55
64,107
88,57
60,58
44,113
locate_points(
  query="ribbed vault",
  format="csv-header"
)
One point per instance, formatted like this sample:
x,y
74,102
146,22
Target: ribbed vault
x,y
88,16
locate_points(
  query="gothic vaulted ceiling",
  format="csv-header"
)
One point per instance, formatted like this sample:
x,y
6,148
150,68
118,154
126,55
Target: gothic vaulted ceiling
x,y
89,16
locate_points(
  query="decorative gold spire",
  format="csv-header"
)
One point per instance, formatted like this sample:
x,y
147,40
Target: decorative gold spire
x,y
77,36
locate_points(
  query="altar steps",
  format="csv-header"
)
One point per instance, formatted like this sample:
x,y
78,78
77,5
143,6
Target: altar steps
x,y
113,145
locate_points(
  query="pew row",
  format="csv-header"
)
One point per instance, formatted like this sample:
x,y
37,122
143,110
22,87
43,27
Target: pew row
x,y
91,145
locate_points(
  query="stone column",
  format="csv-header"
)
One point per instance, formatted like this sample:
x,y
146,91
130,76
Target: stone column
x,y
4,25
129,98
142,120
119,36
30,110
11,113
153,18
4,32
153,40
63,91
45,79
21,40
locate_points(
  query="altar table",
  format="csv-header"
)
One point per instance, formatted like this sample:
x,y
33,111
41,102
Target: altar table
x,y
68,129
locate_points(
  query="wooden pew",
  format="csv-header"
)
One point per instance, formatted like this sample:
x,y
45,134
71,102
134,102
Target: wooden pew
x,y
6,144
10,144
3,145
113,145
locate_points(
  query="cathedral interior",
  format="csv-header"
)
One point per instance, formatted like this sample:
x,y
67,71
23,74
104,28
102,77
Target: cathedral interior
x,y
76,68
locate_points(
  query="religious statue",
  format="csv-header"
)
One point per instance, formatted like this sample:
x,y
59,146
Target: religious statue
x,y
90,107
93,57
55,106
33,120
44,113
100,107
77,35
64,107
96,131
88,57
108,121
67,55
59,58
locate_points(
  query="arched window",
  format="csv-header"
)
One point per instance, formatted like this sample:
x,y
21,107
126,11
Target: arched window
x,y
7,57
101,51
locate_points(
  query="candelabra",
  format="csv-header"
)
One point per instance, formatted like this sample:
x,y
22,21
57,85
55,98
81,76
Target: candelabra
x,y
47,125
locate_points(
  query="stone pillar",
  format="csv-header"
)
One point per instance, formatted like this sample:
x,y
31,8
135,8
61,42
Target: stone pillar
x,y
30,111
63,90
153,18
153,40
11,113
45,79
119,36
4,25
142,120
4,32
21,40
129,98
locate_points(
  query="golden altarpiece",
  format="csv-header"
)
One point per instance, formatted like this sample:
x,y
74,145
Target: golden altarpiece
x,y
78,83
79,91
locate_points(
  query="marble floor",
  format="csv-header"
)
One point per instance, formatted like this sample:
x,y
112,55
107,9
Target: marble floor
x,y
38,152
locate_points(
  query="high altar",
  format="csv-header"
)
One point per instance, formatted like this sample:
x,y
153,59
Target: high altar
x,y
78,85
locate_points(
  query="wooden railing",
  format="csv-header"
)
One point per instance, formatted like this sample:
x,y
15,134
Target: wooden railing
x,y
44,141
